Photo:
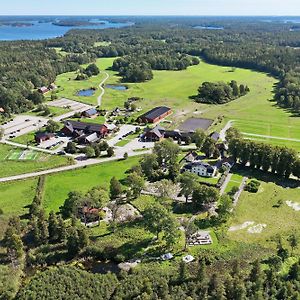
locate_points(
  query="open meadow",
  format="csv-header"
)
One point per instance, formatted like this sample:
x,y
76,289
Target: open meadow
x,y
254,113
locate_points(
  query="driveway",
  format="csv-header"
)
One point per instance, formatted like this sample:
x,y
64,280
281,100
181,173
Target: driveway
x,y
124,129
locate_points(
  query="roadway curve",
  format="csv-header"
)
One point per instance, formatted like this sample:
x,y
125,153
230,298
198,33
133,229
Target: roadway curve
x,y
99,99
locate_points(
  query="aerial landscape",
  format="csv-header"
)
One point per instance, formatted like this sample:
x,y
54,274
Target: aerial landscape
x,y
150,151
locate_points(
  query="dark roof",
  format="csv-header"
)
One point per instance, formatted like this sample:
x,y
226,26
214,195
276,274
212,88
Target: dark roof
x,y
40,135
89,127
156,112
91,112
215,136
192,124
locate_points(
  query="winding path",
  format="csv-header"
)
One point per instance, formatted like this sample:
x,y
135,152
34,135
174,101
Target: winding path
x,y
99,99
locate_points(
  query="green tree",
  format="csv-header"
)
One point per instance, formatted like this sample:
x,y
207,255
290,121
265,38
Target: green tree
x,y
53,227
208,147
115,189
150,166
293,241
89,151
110,152
199,138
52,126
204,195
71,148
136,184
187,182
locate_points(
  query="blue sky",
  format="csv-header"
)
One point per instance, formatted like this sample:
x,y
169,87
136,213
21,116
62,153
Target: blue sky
x,y
150,7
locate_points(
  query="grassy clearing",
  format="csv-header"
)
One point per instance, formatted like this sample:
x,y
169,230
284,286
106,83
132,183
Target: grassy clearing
x,y
263,208
15,167
235,181
59,185
14,199
126,140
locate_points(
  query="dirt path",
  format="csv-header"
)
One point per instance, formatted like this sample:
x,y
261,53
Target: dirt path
x,y
271,137
99,99
241,188
225,183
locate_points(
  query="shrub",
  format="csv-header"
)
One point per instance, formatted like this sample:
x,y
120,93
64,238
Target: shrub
x,y
252,186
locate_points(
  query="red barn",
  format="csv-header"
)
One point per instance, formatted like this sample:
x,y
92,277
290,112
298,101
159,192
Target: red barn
x,y
156,114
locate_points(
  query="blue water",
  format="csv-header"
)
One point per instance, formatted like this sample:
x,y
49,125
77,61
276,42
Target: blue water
x,y
209,27
116,87
86,93
46,30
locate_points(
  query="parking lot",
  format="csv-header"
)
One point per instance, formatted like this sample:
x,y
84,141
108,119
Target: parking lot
x,y
57,143
22,125
122,133
69,104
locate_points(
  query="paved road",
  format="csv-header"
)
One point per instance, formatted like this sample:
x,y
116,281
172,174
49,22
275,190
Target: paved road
x,y
223,131
80,164
99,100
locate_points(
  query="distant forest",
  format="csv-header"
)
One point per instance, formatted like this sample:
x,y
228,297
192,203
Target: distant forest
x,y
167,44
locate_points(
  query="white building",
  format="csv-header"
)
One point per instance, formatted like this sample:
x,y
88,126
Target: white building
x,y
201,168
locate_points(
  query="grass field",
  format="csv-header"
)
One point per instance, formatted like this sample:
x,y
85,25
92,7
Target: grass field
x,y
261,208
16,166
19,154
59,185
254,113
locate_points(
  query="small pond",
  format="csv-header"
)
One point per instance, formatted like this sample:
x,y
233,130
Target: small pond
x,y
117,87
86,93
210,27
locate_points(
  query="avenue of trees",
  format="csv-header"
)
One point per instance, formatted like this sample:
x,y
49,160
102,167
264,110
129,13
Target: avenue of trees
x,y
220,92
280,160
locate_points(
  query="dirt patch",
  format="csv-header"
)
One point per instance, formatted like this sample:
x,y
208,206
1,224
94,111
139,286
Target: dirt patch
x,y
242,226
257,228
294,205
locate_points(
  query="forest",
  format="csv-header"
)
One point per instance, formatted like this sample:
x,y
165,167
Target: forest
x,y
268,47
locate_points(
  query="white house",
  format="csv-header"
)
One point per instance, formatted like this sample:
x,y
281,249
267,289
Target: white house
x,y
201,168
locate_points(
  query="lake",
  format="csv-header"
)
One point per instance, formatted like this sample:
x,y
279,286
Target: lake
x,y
45,30
209,27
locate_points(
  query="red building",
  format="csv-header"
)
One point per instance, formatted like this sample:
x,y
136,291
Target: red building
x,y
43,136
156,114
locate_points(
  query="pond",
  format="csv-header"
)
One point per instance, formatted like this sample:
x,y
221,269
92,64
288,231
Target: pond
x,y
117,87
210,27
86,93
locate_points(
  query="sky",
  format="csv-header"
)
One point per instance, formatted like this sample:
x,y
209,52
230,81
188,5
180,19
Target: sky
x,y
150,7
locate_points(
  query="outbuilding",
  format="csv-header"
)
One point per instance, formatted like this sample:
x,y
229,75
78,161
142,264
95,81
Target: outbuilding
x,y
43,136
156,114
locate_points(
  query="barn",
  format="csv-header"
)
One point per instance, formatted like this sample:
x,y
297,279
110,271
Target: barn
x,y
156,114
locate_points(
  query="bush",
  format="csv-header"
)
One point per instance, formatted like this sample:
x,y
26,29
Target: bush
x,y
252,186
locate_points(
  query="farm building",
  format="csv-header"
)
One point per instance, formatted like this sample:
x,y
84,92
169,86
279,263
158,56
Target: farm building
x,y
90,113
156,114
84,133
52,87
43,90
43,136
215,136
154,135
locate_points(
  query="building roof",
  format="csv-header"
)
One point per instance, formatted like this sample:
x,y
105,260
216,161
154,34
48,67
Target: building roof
x,y
40,135
2,110
215,136
90,112
201,163
92,137
156,112
192,124
87,127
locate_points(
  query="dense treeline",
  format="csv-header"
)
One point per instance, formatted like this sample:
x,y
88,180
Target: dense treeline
x,y
166,45
220,92
280,160
188,282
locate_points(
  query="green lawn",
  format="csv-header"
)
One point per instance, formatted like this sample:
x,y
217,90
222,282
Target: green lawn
x,y
97,120
235,181
59,185
261,209
15,167
14,199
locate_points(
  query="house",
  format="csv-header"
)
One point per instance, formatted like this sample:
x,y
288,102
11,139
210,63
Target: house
x,y
85,133
90,113
190,157
43,136
156,114
43,90
215,136
89,214
200,168
154,135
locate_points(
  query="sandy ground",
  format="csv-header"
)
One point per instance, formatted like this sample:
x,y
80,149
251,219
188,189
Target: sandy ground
x,y
294,205
257,228
242,226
